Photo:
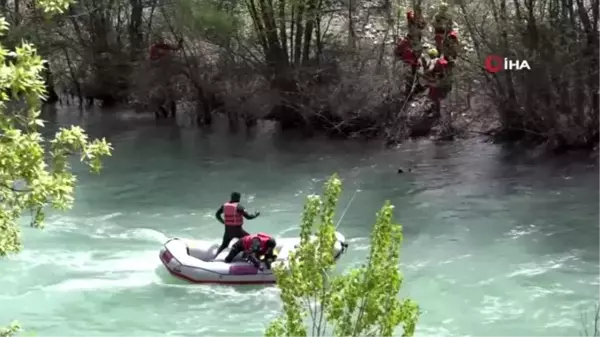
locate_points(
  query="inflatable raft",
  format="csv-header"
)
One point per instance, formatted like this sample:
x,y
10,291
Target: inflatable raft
x,y
193,260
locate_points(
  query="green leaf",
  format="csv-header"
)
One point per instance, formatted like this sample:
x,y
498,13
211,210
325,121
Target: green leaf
x,y
25,156
364,301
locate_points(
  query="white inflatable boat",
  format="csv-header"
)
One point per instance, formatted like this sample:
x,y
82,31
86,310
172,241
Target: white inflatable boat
x,y
193,260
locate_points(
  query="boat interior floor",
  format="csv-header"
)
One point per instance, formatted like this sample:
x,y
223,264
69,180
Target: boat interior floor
x,y
207,254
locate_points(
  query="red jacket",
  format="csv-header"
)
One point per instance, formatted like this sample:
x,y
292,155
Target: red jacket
x,y
262,237
231,216
439,37
159,50
404,51
440,65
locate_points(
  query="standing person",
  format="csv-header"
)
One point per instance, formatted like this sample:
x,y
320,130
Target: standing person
x,y
232,214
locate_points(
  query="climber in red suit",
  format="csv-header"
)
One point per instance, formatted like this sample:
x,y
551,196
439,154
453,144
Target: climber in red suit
x,y
160,49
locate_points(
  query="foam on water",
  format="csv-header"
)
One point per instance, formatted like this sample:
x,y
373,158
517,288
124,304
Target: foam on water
x,y
129,280
144,234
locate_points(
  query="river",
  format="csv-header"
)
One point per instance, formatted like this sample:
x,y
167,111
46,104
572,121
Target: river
x,y
495,244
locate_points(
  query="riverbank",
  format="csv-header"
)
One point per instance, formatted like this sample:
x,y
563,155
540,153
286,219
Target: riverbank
x,y
339,74
474,127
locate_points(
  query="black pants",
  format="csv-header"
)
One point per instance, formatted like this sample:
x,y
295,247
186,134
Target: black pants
x,y
231,232
235,250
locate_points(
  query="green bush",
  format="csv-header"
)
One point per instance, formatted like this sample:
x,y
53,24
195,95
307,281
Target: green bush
x,y
10,330
363,302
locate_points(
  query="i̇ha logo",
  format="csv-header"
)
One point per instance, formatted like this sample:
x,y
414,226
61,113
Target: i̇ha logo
x,y
495,63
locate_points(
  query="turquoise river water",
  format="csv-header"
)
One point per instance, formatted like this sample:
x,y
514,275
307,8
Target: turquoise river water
x,y
494,244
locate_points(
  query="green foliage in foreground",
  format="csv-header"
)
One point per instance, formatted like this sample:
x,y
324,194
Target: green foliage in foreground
x,y
10,330
363,302
27,159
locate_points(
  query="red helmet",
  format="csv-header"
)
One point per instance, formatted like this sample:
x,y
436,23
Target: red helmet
x,y
453,35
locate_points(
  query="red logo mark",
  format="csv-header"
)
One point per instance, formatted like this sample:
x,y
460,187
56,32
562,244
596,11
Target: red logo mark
x,y
494,63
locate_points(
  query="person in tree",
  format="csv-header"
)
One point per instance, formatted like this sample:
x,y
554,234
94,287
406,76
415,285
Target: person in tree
x,y
438,78
427,62
416,24
405,52
232,215
162,67
442,21
406,47
160,49
451,46
409,48
442,27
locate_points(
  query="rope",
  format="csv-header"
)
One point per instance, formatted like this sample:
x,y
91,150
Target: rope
x,y
346,209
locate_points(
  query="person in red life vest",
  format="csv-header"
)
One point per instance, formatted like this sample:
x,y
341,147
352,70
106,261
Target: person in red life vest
x,y
451,45
442,26
410,17
405,52
439,41
401,45
415,25
447,43
442,20
254,246
232,214
415,21
440,78
161,49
